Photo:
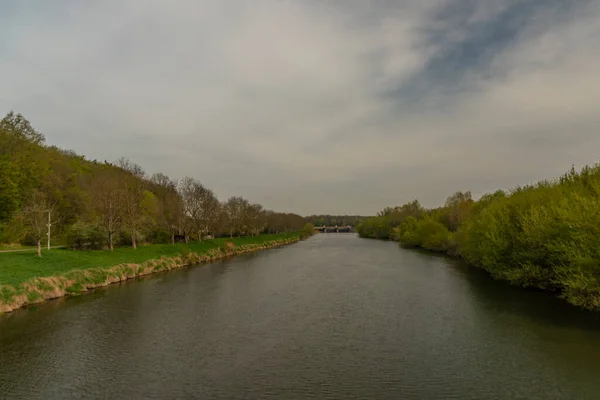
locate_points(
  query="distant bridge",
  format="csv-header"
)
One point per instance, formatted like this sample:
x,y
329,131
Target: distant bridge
x,y
334,229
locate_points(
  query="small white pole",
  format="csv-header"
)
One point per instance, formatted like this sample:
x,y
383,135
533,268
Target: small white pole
x,y
49,225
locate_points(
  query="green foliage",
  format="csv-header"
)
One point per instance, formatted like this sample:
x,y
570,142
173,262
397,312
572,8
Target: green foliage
x,y
544,236
9,189
121,201
308,230
384,224
426,233
376,228
3,233
19,127
158,237
85,235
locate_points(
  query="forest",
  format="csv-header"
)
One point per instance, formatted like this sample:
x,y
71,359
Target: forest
x,y
544,236
87,204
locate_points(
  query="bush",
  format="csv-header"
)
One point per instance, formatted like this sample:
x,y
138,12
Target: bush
x,y
308,230
85,235
426,233
123,238
157,237
545,236
377,228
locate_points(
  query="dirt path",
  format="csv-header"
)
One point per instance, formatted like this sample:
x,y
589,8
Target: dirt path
x,y
31,249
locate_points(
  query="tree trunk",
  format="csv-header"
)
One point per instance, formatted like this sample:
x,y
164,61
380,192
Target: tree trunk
x,y
39,248
199,236
173,238
110,241
187,239
133,241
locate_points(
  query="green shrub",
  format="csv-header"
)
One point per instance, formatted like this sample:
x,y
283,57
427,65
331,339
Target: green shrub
x,y
426,233
544,236
308,230
158,237
85,235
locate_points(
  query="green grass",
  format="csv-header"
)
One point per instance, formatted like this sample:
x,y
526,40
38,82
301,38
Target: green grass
x,y
16,268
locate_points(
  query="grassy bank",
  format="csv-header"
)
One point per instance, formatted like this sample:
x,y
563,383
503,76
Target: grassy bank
x,y
26,279
544,236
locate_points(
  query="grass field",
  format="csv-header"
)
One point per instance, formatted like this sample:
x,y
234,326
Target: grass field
x,y
18,267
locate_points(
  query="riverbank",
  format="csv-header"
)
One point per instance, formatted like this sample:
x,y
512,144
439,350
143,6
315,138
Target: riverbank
x,y
28,280
544,236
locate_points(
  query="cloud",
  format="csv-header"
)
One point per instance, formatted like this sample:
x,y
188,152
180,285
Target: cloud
x,y
315,106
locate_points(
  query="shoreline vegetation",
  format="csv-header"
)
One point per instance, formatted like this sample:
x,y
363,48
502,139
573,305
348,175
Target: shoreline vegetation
x,y
543,236
116,220
34,280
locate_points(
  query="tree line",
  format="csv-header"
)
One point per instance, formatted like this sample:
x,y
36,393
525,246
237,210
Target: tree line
x,y
335,220
92,204
545,235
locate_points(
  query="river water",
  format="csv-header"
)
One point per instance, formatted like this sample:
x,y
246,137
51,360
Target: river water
x,y
332,317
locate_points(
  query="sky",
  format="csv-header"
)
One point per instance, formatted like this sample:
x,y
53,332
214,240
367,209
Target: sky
x,y
314,106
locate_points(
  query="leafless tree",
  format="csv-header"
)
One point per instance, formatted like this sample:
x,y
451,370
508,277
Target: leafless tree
x,y
34,217
133,191
201,206
108,202
253,219
211,209
171,213
235,208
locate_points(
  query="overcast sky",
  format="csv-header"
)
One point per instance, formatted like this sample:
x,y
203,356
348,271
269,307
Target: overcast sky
x,y
314,106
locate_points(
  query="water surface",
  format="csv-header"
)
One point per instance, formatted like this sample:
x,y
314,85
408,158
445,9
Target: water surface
x,y
333,317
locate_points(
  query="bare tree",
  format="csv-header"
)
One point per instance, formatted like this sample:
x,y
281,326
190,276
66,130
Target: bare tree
x,y
34,217
254,221
199,204
108,202
235,208
133,191
171,212
211,209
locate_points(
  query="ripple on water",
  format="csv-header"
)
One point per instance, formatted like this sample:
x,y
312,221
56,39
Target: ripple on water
x,y
333,317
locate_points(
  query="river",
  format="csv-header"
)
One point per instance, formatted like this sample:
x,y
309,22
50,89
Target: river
x,y
332,317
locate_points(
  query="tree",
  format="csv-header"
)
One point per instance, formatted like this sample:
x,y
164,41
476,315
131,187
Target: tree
x,y
201,206
210,209
171,214
22,161
108,201
215,217
308,229
459,205
35,218
115,199
9,189
133,194
235,208
253,219
18,127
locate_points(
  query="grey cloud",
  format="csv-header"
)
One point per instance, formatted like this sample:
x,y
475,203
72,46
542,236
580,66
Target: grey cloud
x,y
314,106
